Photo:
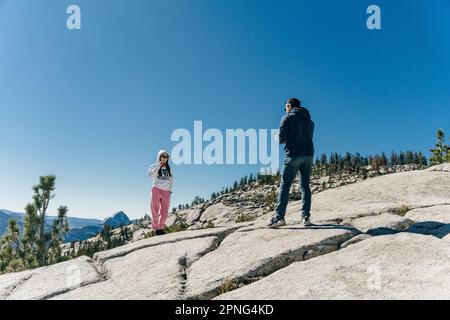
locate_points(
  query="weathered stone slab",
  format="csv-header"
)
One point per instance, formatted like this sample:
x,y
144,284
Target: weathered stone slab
x,y
434,213
377,195
151,273
220,232
400,266
48,281
246,255
11,281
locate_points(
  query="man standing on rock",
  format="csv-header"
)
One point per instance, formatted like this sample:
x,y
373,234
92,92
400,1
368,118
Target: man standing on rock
x,y
296,133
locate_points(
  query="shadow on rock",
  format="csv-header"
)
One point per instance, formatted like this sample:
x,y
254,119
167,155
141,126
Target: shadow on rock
x,y
433,228
323,227
429,228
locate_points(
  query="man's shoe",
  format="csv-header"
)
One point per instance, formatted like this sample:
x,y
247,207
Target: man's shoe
x,y
306,222
158,232
275,223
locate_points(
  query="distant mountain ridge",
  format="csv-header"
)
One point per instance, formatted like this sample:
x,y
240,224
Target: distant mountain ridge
x,y
80,228
117,219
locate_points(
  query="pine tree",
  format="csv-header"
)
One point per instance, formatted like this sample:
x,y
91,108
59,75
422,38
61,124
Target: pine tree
x,y
59,228
43,193
441,150
354,163
38,246
409,158
341,163
106,232
317,163
347,162
125,234
358,167
11,253
422,160
375,163
30,235
323,159
383,159
365,161
394,159
402,158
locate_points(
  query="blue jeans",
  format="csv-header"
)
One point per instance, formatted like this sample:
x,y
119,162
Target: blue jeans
x,y
292,166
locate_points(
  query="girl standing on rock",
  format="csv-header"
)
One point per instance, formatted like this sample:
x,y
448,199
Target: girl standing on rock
x,y
162,177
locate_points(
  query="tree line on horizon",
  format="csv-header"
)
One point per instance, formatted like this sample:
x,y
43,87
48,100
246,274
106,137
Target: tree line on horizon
x,y
105,241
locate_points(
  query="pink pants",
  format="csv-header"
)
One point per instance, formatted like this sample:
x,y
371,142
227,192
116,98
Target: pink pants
x,y
160,207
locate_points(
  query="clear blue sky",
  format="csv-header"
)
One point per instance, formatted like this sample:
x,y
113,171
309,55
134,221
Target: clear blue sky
x,y
93,106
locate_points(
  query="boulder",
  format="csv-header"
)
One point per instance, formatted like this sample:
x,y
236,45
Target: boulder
x,y
193,215
171,220
219,213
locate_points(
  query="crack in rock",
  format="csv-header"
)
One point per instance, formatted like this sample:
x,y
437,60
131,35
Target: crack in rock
x,y
182,256
266,267
413,207
121,252
17,286
98,267
62,291
183,273
185,263
101,270
264,271
417,264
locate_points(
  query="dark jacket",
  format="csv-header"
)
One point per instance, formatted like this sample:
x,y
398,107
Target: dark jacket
x,y
296,130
